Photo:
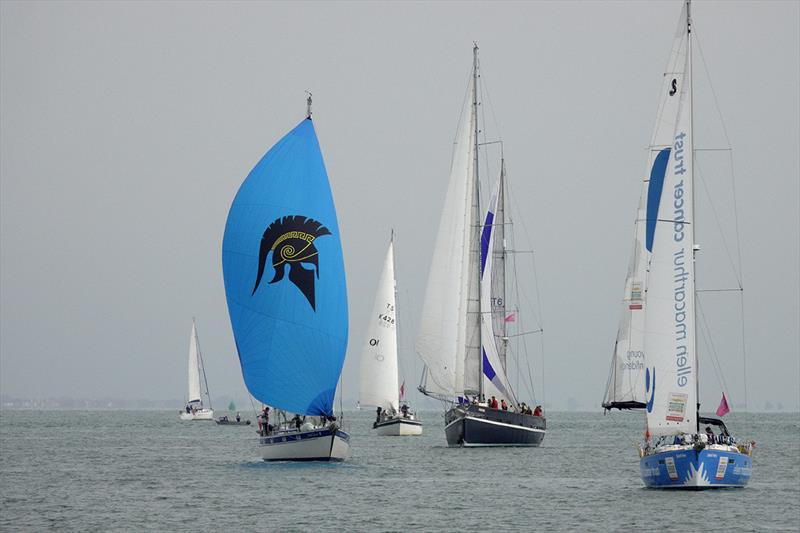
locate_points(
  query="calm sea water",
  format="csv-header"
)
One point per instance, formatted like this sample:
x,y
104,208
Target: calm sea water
x,y
147,471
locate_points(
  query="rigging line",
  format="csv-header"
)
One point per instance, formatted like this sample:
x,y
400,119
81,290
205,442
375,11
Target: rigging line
x,y
735,211
737,289
526,333
538,313
491,107
716,219
711,85
709,341
530,385
744,352
740,274
611,415
250,397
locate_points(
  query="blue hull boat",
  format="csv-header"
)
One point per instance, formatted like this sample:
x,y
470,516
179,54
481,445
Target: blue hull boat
x,y
685,467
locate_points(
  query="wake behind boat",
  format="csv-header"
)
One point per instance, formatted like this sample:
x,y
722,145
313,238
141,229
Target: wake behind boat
x,y
195,409
285,286
379,374
655,357
464,336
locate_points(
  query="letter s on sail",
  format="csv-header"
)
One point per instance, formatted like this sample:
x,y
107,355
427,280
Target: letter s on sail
x,y
674,87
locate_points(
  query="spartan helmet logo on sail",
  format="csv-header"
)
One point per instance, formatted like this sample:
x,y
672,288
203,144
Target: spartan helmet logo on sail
x,y
291,241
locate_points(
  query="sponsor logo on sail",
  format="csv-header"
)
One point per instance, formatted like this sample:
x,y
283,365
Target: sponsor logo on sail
x,y
290,239
680,263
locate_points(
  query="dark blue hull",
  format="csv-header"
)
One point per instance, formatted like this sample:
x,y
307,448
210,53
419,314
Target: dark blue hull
x,y
477,426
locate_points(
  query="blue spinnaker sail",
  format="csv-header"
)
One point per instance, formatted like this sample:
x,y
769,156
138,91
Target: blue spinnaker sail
x,y
284,278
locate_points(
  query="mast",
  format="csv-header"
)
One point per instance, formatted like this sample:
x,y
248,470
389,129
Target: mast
x,y
308,105
200,362
476,206
500,285
692,227
396,322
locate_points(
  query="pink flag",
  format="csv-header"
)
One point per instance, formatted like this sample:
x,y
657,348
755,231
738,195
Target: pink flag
x,y
723,408
511,318
403,391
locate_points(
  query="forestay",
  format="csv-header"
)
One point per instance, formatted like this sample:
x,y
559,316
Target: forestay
x,y
284,278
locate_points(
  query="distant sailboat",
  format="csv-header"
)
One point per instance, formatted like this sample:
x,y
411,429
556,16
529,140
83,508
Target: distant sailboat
x,y
285,285
462,336
195,409
655,358
379,375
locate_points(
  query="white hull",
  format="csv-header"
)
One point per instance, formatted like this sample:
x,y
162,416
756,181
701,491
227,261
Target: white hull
x,y
312,445
398,427
202,414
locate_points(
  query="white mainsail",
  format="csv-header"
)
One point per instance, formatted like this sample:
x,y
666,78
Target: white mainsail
x,y
379,381
627,377
194,367
444,330
670,347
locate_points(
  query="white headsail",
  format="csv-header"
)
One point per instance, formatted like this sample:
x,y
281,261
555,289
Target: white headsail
x,y
194,367
379,382
670,347
494,372
443,334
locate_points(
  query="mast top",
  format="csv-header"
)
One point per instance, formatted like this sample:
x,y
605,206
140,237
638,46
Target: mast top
x,y
308,105
688,16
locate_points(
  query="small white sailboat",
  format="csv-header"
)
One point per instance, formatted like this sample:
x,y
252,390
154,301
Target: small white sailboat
x,y
379,374
195,409
290,331
655,358
462,337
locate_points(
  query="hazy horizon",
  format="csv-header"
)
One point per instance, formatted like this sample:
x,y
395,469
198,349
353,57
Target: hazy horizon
x,y
126,128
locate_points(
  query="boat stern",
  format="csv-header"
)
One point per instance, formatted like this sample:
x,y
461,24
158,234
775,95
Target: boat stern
x,y
687,468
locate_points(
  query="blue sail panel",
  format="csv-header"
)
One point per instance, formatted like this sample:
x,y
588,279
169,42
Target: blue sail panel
x,y
284,278
486,237
654,189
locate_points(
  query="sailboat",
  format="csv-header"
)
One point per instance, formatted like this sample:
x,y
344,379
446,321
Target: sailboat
x,y
195,409
462,336
379,375
285,286
655,361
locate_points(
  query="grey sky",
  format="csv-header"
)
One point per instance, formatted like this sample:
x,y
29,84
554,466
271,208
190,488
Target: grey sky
x,y
126,129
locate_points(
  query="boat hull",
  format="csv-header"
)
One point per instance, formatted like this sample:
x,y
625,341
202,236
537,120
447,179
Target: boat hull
x,y
478,426
687,468
319,444
232,422
398,427
202,414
